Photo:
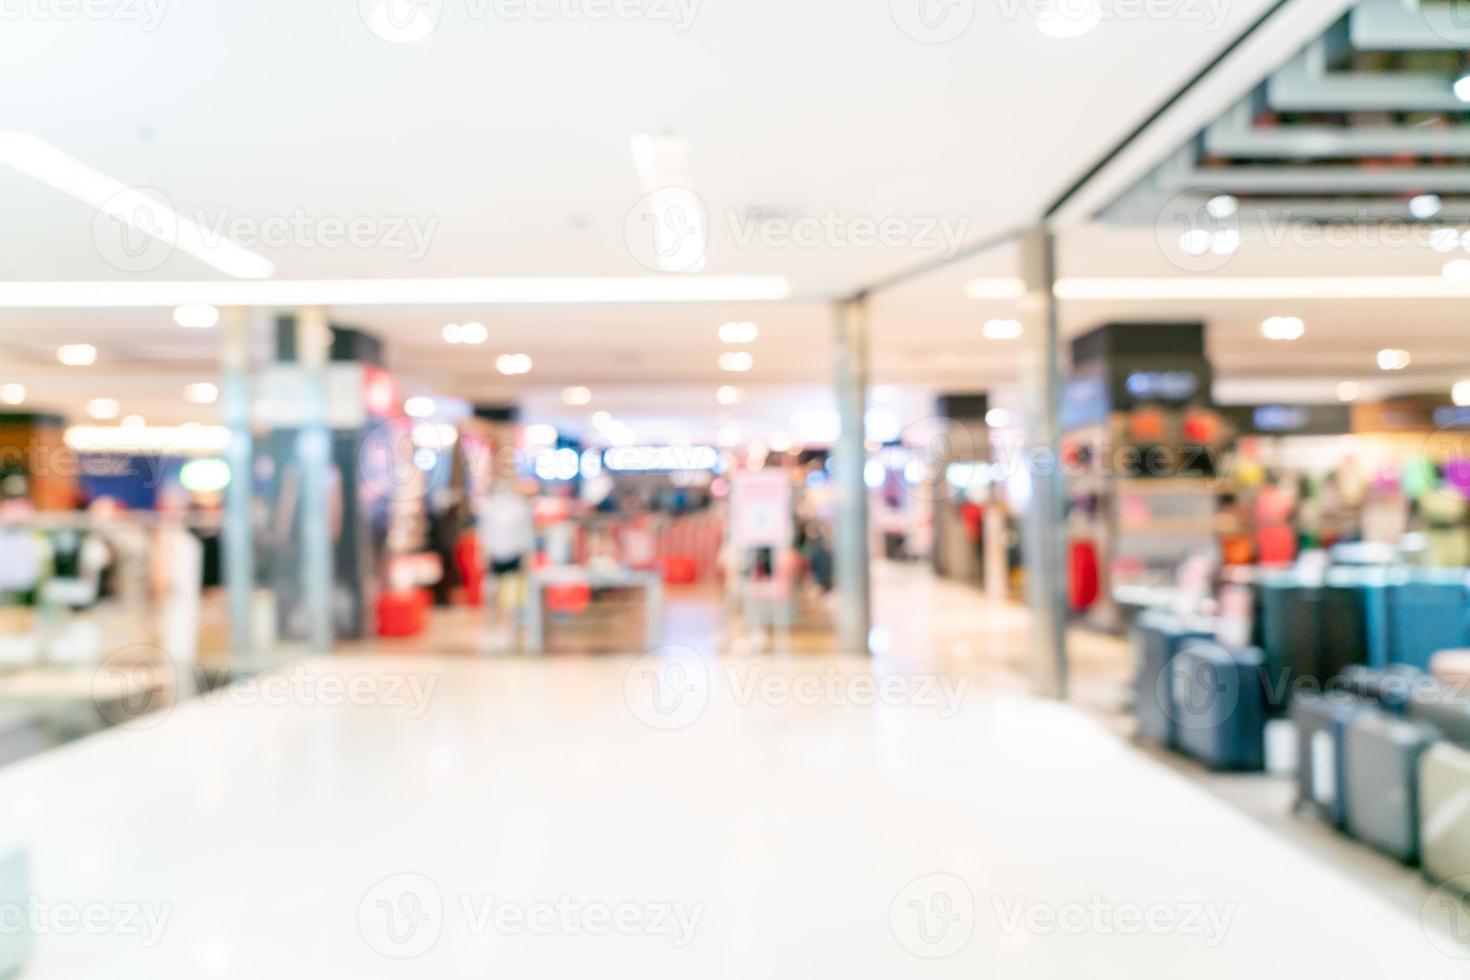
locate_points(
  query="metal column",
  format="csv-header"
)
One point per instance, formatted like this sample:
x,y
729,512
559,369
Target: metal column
x,y
314,452
239,526
1045,522
854,616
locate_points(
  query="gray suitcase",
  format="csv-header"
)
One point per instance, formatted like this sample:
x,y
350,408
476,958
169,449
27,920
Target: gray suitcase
x,y
1382,762
1321,721
1157,638
1444,811
1445,707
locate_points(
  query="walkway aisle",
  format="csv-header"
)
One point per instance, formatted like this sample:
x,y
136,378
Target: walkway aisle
x,y
745,818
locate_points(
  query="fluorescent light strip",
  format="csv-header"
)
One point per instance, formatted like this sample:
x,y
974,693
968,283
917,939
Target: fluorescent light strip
x,y
148,438
394,292
35,157
1232,288
1264,287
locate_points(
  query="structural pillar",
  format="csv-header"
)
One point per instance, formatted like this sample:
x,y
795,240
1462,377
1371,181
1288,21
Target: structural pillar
x,y
239,525
314,451
850,552
1045,532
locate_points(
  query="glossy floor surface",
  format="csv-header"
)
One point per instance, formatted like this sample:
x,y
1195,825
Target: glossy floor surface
x,y
673,814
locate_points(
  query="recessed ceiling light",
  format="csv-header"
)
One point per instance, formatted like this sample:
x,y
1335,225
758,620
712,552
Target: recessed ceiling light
x,y
1458,270
997,418
134,421
1222,206
420,407
103,408
1425,206
1001,329
728,395
576,396
1462,88
743,332
1460,394
196,316
201,393
513,364
12,394
737,362
473,333
1283,328
76,355
1393,359
1347,391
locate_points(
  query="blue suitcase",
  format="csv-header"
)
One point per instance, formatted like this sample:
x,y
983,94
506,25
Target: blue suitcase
x,y
1426,614
1382,788
1220,706
1321,721
1157,638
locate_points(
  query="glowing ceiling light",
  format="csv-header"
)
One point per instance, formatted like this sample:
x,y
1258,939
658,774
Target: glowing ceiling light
x,y
1001,329
737,362
123,204
196,316
1283,328
1393,359
103,409
76,355
743,332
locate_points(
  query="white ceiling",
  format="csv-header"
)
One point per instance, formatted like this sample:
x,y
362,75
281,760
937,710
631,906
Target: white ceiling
x,y
511,140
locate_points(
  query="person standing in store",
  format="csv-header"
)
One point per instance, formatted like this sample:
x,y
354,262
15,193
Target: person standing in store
x,y
507,538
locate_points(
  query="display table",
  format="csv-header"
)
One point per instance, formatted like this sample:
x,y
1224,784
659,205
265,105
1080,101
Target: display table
x,y
616,577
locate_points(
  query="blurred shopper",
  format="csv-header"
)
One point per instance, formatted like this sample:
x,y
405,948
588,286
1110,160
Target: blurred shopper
x,y
507,540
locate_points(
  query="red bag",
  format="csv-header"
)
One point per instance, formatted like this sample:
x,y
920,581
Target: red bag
x,y
404,613
1083,576
680,570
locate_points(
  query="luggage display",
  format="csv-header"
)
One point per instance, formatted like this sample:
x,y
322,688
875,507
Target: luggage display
x,y
1355,618
1427,614
1444,818
1445,707
1382,781
1219,706
1292,625
1156,639
1321,721
1390,688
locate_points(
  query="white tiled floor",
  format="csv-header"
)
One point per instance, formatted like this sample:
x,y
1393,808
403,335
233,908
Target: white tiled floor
x,y
800,830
